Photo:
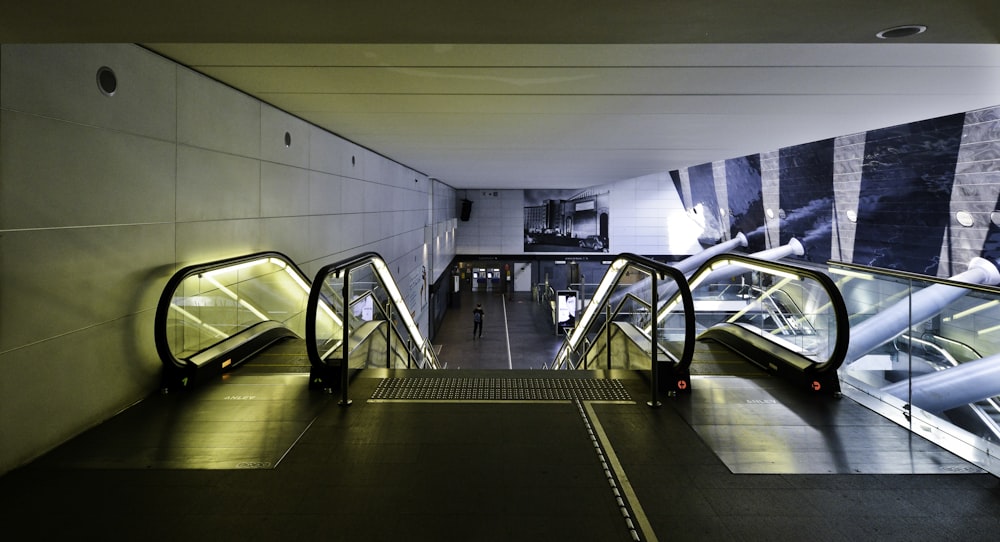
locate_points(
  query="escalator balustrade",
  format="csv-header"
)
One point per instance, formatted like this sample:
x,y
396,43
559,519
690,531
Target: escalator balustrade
x,y
212,317
787,320
616,329
372,329
215,316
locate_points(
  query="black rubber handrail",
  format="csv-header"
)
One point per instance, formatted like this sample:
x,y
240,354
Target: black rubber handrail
x,y
680,377
822,375
915,277
336,268
323,373
163,306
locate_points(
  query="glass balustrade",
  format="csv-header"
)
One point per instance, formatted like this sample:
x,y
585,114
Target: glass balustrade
x,y
782,304
208,311
639,318
357,319
926,354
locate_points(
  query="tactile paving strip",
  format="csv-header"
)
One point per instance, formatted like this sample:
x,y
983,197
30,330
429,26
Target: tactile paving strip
x,y
501,389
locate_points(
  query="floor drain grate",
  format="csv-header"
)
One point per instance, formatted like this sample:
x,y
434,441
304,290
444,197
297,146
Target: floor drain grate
x,y
501,389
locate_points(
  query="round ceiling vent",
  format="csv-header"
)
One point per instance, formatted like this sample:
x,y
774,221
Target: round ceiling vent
x,y
107,81
902,31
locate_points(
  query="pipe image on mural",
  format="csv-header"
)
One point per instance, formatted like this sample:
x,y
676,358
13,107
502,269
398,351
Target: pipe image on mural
x,y
566,221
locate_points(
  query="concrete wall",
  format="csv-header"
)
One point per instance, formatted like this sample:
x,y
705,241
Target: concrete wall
x,y
103,197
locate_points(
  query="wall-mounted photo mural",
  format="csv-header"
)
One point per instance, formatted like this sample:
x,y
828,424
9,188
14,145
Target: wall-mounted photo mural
x,y
920,197
566,220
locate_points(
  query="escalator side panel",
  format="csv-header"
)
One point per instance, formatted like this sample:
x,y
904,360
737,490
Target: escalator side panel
x,y
225,355
774,358
631,349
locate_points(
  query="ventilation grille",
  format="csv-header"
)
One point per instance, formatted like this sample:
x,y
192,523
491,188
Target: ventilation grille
x,y
501,389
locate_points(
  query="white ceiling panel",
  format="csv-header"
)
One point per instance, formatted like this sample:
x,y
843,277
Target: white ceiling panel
x,y
560,93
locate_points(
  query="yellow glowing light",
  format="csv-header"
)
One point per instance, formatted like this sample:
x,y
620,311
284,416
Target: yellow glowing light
x,y
850,273
237,299
238,267
198,321
973,310
389,283
765,295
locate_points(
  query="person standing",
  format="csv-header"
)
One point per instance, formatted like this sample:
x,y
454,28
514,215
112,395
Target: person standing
x,y
477,321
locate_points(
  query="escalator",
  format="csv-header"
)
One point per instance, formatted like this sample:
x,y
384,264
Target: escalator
x,y
615,330
216,316
785,320
231,334
260,312
356,318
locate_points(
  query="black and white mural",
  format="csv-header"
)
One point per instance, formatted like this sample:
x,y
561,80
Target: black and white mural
x,y
920,197
566,220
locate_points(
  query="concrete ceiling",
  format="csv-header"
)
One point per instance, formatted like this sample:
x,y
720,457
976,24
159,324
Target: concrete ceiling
x,y
562,93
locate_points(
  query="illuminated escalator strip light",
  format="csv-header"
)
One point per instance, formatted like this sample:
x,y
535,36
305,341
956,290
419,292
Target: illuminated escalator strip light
x,y
198,321
973,310
236,267
757,302
595,301
389,283
329,352
237,299
851,274
988,330
776,272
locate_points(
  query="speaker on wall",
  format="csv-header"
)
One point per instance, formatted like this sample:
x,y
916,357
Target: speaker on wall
x,y
466,210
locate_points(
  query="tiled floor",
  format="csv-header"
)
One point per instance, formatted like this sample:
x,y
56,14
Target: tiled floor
x,y
517,334
506,469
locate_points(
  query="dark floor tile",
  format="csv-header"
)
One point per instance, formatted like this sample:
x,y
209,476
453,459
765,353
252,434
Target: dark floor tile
x,y
512,471
781,525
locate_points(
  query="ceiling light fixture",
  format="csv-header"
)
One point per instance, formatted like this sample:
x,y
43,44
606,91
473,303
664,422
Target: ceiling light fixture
x,y
902,31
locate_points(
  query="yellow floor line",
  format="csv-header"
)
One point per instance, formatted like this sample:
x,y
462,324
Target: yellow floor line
x,y
633,500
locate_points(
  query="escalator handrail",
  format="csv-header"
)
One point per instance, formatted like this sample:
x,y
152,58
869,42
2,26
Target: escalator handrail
x,y
312,305
687,302
915,277
383,310
342,266
838,305
166,297
656,269
613,320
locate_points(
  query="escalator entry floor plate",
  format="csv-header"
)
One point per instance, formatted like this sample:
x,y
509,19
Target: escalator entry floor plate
x,y
500,389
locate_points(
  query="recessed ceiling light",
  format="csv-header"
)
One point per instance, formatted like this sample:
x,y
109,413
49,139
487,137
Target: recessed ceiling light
x,y
902,31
